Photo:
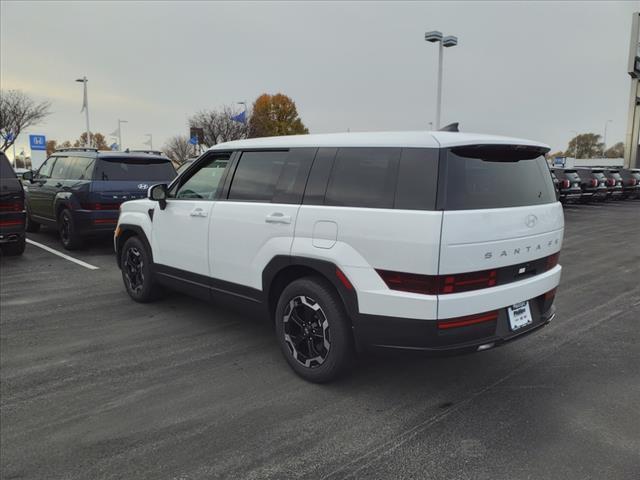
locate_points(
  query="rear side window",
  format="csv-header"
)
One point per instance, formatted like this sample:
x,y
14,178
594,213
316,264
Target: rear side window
x,y
134,169
363,177
80,168
417,179
494,179
272,176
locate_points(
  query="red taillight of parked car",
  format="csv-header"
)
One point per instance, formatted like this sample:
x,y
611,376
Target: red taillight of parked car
x,y
101,206
566,184
633,182
611,182
468,320
594,182
438,284
105,221
12,206
550,295
11,223
552,260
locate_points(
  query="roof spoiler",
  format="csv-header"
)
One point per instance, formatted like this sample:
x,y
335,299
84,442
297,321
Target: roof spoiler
x,y
452,127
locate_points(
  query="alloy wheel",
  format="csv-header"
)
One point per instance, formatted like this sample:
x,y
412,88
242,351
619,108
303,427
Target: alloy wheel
x,y
306,331
133,269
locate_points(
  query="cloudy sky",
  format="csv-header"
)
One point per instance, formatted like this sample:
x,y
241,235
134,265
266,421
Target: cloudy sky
x,y
530,69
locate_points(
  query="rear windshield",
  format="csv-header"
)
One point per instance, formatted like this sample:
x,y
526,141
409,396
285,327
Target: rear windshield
x,y
599,175
492,179
573,176
615,175
132,168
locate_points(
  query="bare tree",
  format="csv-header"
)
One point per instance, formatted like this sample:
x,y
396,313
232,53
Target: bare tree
x,y
178,149
218,126
18,112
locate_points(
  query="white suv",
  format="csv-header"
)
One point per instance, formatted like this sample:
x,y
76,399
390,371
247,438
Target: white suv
x,y
407,240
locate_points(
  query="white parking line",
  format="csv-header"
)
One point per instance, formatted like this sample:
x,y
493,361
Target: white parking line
x,y
60,254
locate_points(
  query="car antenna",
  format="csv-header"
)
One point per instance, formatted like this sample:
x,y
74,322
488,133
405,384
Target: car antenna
x,y
452,127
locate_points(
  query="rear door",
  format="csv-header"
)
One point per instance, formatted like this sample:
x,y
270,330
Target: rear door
x,y
256,220
500,210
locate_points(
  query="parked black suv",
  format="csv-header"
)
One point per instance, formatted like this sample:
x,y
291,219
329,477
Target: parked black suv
x,y
614,183
593,183
79,190
12,238
631,182
568,185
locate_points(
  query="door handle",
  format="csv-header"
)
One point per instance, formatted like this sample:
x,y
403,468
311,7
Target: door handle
x,y
278,217
198,212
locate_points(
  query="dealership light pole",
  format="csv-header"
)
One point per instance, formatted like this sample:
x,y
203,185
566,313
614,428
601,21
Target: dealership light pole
x,y
444,42
120,122
149,141
604,138
85,108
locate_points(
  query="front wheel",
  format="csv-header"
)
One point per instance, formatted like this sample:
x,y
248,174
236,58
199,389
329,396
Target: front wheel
x,y
135,263
313,330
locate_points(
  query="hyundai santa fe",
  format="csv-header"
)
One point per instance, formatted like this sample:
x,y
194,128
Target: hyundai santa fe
x,y
429,241
78,191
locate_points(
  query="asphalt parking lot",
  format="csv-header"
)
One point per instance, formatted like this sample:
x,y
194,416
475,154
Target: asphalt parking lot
x,y
94,385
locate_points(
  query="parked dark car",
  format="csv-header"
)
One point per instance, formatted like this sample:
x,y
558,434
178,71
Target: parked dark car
x,y
614,183
79,190
593,184
569,188
631,182
12,214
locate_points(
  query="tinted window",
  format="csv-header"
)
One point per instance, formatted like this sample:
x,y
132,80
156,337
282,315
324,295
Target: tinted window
x,y
470,183
60,168
5,167
204,182
417,179
80,168
45,169
363,177
257,175
134,168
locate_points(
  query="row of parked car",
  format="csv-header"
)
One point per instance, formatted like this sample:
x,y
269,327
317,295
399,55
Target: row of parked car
x,y
595,184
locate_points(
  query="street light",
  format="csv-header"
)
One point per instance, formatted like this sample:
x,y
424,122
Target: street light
x,y
85,108
444,42
150,141
120,122
604,138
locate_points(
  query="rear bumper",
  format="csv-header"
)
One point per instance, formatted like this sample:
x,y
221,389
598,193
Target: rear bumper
x,y
388,333
12,227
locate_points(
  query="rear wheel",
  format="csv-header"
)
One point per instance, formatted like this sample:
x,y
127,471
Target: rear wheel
x,y
313,330
67,230
16,248
135,264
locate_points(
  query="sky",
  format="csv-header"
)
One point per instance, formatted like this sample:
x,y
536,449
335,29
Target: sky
x,y
537,70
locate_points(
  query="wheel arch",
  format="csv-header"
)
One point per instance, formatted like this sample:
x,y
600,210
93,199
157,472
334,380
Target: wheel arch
x,y
126,232
282,270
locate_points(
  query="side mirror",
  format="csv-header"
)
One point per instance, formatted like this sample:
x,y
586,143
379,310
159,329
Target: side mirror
x,y
158,193
28,176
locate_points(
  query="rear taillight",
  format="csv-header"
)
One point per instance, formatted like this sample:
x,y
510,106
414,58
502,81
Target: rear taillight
x,y
12,206
107,221
100,206
633,182
438,284
468,320
594,182
552,260
11,223
550,295
566,184
611,182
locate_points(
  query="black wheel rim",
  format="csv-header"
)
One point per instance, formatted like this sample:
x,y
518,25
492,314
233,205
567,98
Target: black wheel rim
x,y
132,268
306,331
65,228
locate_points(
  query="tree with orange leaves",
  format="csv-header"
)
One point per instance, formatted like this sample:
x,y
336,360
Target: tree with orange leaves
x,y
275,115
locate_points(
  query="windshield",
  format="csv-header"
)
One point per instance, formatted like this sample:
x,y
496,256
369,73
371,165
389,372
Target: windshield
x,y
134,168
475,183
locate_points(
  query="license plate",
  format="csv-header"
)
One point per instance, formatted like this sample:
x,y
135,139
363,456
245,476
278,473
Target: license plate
x,y
519,315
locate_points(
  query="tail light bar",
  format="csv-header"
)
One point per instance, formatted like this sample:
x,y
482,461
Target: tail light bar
x,y
611,182
566,184
469,320
594,182
11,223
451,283
12,206
633,182
101,206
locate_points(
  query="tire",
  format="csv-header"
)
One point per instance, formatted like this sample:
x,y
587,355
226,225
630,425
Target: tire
x,y
30,225
309,318
137,274
69,236
14,249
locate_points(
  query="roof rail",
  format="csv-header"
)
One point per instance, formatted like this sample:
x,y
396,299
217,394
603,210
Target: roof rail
x,y
76,149
151,152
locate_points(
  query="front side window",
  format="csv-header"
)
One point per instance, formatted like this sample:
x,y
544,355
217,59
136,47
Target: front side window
x,y
363,177
204,182
60,168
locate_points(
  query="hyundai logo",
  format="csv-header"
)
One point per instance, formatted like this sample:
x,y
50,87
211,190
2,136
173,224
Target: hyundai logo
x,y
143,186
531,221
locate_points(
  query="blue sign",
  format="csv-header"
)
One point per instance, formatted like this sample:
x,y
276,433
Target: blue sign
x,y
559,161
193,140
37,142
